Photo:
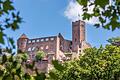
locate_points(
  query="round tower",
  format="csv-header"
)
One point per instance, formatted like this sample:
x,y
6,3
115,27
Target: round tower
x,y
22,43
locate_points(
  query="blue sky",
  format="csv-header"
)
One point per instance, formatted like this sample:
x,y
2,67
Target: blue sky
x,y
47,18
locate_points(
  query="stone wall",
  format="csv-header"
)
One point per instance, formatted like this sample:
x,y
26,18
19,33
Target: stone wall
x,y
47,44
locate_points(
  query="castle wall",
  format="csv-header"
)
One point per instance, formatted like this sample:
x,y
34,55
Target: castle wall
x,y
67,46
47,44
56,47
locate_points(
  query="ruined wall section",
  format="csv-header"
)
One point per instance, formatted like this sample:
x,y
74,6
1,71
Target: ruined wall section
x,y
46,44
67,46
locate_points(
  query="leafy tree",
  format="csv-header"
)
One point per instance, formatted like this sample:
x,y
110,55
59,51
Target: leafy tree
x,y
10,68
114,41
10,19
96,64
39,55
107,11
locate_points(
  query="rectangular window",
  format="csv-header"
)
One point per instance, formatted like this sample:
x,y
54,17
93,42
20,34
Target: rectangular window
x,y
33,41
42,40
37,40
29,41
51,39
46,39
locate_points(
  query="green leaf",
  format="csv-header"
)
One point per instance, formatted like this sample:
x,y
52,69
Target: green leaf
x,y
14,25
57,65
1,37
27,76
7,6
40,76
97,25
4,59
107,26
18,71
14,64
86,16
53,76
102,3
82,2
13,15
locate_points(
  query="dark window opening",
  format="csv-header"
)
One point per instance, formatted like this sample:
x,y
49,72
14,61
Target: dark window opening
x,y
70,43
79,50
80,45
75,39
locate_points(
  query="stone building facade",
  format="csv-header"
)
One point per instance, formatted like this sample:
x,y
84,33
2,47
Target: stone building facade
x,y
56,47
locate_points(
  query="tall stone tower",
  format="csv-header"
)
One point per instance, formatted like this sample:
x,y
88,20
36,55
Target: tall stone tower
x,y
22,42
78,35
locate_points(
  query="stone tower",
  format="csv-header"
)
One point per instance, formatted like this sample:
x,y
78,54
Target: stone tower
x,y
22,43
78,35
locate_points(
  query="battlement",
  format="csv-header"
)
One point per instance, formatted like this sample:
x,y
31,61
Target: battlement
x,y
79,22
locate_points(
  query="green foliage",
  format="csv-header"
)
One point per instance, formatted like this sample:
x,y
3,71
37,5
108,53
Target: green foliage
x,y
57,65
114,41
40,76
13,69
40,55
96,64
10,68
24,57
107,13
10,19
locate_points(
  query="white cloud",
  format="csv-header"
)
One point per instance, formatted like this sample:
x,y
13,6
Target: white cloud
x,y
74,12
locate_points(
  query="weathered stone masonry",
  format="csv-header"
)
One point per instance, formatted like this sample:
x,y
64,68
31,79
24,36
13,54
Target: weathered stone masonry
x,y
56,46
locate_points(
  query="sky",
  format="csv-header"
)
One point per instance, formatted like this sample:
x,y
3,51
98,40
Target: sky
x,y
44,18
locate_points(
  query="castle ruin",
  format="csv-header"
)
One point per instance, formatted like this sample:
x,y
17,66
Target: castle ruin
x,y
56,47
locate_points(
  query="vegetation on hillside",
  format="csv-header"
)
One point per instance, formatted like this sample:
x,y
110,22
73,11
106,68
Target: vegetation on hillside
x,y
97,64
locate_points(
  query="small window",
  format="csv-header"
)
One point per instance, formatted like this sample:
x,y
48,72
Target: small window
x,y
41,48
46,39
80,51
29,41
47,47
42,40
29,49
33,41
37,40
70,46
33,48
51,39
80,45
75,39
